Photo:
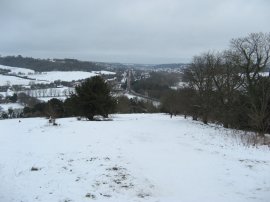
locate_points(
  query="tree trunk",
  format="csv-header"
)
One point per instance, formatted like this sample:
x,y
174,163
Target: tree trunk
x,y
205,119
260,134
90,117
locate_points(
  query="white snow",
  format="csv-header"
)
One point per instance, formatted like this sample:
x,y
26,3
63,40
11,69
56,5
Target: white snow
x,y
131,96
62,92
44,77
46,99
18,70
63,76
179,85
6,106
104,72
139,157
7,93
264,74
13,80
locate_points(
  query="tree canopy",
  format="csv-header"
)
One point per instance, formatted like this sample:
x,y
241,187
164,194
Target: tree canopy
x,y
92,98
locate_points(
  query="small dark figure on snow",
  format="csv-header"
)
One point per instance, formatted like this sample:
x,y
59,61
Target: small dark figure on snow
x,y
52,120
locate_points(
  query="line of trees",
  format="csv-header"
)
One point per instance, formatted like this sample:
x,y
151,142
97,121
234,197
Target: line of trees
x,y
41,65
127,105
91,98
228,87
156,85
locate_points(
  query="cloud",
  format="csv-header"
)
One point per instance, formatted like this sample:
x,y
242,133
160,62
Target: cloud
x,y
141,31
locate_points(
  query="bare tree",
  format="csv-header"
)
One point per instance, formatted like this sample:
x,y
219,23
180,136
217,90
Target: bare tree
x,y
199,76
44,92
170,103
254,54
260,107
39,92
227,81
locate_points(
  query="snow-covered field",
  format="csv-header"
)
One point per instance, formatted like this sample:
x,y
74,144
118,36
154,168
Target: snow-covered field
x,y
13,80
67,75
104,72
63,76
44,77
5,107
7,93
132,158
50,92
132,96
46,99
18,70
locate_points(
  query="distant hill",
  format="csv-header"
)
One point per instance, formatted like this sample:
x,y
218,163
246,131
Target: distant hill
x,y
46,65
156,66
171,66
42,65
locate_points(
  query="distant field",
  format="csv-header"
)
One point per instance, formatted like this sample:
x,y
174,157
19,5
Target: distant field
x,y
63,76
17,70
13,80
44,77
5,107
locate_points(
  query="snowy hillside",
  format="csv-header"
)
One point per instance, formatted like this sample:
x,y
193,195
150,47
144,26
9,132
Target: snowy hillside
x,y
67,75
104,72
13,80
63,76
44,77
132,158
17,70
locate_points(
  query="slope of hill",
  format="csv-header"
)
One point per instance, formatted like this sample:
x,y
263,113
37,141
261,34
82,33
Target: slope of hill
x,y
132,158
43,65
17,70
63,76
23,76
13,80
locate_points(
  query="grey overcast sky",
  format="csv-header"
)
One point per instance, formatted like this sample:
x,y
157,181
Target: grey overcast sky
x,y
129,31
